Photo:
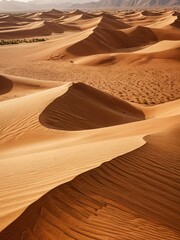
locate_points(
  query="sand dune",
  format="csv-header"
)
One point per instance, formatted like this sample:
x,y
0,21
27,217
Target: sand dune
x,y
162,46
52,14
141,34
107,22
12,86
13,19
161,50
87,16
176,23
43,28
76,12
95,109
32,143
89,125
164,22
150,13
104,202
103,40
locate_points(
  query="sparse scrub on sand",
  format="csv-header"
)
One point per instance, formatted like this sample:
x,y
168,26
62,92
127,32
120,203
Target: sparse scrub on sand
x,y
18,41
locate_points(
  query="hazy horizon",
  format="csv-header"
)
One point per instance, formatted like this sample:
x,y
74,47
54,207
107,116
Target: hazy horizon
x,y
51,1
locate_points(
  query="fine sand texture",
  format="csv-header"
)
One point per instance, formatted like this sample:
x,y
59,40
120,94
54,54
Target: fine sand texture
x,y
89,125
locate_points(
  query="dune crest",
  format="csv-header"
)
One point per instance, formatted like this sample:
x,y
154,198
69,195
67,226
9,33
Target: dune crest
x,y
109,199
84,107
89,124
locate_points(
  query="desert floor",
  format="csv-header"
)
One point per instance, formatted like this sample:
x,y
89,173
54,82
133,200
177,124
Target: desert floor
x,y
90,125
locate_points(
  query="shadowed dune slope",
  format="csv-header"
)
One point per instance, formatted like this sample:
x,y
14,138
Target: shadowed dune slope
x,y
149,13
52,14
84,107
43,28
103,40
76,12
15,19
142,35
87,16
134,196
5,85
177,22
111,22
15,86
107,39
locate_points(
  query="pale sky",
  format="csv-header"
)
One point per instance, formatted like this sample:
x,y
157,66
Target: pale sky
x,y
49,1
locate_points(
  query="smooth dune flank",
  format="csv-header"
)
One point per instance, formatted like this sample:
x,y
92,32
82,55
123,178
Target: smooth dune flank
x,y
137,191
89,125
92,109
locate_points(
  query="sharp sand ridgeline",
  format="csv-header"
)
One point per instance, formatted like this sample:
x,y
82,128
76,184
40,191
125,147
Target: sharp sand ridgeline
x,y
89,125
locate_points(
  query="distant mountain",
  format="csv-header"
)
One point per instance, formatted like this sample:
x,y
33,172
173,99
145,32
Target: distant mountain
x,y
128,3
36,5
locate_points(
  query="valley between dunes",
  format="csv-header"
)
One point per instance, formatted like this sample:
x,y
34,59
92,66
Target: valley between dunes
x,y
90,125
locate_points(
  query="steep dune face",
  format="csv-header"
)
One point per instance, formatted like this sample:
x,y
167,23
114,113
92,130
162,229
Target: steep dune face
x,y
142,35
105,37
112,35
111,22
149,13
105,40
137,191
84,107
87,16
176,23
42,28
53,131
52,14
76,12
5,85
13,86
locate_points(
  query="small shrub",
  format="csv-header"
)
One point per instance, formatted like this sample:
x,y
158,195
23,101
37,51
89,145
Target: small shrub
x,y
18,41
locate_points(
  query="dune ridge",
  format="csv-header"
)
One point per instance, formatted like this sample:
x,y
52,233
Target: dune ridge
x,y
112,141
12,86
98,201
89,125
94,109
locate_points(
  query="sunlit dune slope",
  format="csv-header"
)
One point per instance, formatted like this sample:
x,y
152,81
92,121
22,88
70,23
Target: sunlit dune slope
x,y
12,86
89,125
137,191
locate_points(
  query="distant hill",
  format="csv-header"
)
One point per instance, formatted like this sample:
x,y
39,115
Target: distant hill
x,y
36,5
128,3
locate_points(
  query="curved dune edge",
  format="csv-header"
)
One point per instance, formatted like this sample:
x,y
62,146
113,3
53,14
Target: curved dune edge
x,y
26,144
107,38
161,50
42,28
16,86
84,107
5,85
36,158
137,191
